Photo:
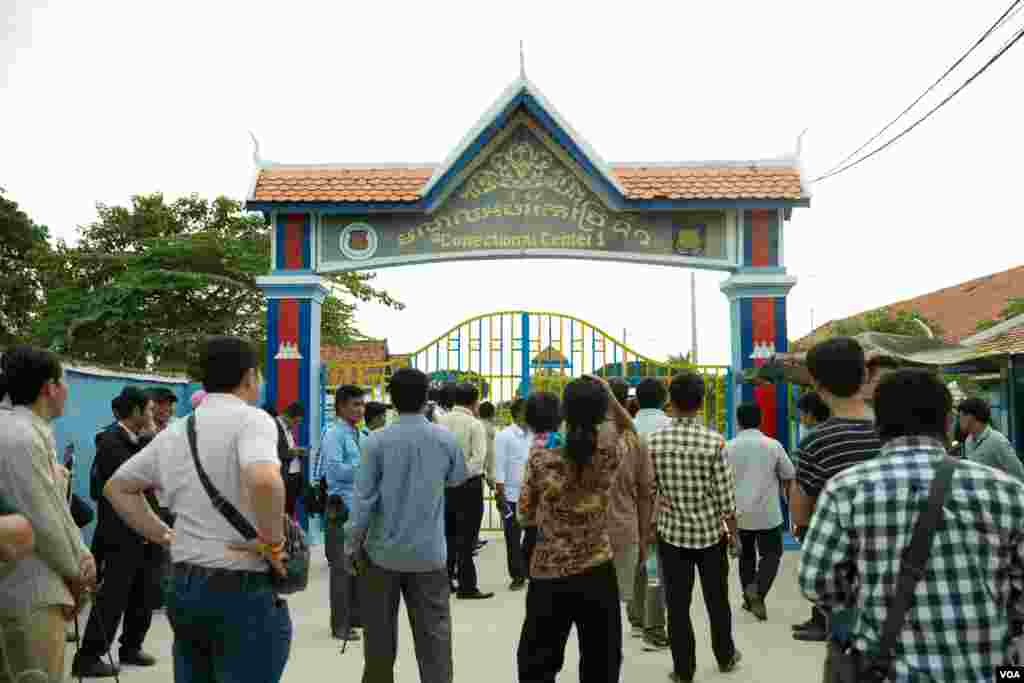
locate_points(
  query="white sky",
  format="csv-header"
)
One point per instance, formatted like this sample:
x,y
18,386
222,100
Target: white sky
x,y
99,101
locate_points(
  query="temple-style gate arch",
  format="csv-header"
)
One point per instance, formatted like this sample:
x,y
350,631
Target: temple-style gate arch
x,y
523,184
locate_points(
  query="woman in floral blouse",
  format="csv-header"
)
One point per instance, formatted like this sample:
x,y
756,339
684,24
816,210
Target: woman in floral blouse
x,y
565,494
543,415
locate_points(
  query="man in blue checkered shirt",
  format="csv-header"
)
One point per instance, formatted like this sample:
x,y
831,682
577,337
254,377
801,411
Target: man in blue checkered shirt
x,y
957,628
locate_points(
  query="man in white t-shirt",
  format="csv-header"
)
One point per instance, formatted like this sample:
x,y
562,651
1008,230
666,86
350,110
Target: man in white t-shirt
x,y
227,620
511,451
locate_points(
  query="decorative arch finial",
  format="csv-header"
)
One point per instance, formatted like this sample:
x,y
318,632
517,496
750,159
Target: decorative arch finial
x,y
522,62
255,149
800,143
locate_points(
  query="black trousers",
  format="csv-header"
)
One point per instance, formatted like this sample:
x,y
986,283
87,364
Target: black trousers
x,y
760,556
450,502
514,544
531,535
590,601
466,503
131,589
293,485
818,615
679,566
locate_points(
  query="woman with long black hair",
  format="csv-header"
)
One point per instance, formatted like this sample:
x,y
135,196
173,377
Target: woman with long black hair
x,y
565,494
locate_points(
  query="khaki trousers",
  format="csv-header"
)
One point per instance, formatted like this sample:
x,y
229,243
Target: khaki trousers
x,y
33,646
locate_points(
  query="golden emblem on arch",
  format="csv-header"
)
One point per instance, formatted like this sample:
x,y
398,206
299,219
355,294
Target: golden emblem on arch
x,y
522,166
690,240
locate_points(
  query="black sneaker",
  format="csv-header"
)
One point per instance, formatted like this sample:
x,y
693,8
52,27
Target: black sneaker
x,y
755,603
92,667
815,634
474,595
733,663
810,623
656,641
136,658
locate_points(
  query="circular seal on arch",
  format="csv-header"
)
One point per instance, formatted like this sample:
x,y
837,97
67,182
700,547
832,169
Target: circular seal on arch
x,y
359,241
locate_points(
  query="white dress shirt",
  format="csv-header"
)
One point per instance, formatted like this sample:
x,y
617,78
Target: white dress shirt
x,y
471,436
511,451
295,466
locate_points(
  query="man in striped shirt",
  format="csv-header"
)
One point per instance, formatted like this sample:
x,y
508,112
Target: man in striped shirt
x,y
839,371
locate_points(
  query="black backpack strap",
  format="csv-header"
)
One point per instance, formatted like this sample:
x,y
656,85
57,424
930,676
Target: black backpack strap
x,y
915,558
220,503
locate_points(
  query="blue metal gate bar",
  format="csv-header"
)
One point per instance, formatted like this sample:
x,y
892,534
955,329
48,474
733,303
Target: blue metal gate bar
x,y
524,382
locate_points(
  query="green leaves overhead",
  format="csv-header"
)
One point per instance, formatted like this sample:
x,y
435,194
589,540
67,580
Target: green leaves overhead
x,y
886,321
147,282
23,247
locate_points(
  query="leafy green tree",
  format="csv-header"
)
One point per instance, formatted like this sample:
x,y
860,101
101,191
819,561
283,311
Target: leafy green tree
x,y
23,246
460,376
1014,307
680,361
550,381
146,282
886,321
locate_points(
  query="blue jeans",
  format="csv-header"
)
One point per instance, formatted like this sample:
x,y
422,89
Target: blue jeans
x,y
227,631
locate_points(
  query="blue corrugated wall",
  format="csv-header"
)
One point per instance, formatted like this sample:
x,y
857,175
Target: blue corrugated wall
x,y
88,410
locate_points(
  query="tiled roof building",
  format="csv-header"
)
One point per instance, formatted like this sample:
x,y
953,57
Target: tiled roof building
x,y
361,362
1005,338
956,310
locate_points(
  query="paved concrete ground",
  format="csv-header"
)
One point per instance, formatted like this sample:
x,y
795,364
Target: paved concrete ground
x,y
485,634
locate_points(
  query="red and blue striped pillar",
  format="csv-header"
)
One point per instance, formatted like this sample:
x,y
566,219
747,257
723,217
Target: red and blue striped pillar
x,y
757,299
295,294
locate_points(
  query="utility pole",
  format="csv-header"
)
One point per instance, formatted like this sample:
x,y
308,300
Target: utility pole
x,y
693,316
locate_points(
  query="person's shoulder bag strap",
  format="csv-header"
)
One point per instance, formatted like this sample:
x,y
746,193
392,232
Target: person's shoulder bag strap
x,y
220,503
915,559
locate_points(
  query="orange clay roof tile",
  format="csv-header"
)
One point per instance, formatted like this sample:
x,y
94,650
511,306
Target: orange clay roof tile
x,y
353,184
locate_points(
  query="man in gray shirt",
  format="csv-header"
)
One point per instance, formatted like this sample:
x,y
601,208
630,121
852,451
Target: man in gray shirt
x,y
759,463
395,537
985,445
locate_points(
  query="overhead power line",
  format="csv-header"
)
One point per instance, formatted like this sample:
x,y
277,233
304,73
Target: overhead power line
x,y
1010,43
1014,7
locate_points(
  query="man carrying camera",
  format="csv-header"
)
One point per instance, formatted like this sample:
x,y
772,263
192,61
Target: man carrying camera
x,y
339,456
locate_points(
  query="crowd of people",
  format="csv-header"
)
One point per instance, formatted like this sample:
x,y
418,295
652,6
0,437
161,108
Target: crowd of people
x,y
612,505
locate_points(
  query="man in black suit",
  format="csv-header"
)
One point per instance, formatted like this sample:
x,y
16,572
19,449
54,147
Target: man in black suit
x,y
131,565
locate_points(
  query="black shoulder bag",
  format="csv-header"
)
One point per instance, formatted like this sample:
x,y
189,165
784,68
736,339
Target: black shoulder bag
x,y
295,540
845,665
